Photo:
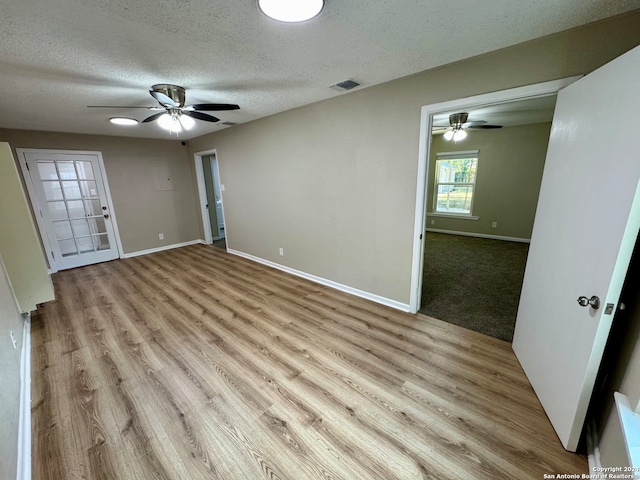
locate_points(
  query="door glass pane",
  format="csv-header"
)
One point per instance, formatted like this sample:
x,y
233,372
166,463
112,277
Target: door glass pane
x,y
52,190
85,244
80,227
89,189
58,211
76,209
63,230
71,190
68,247
47,171
85,170
97,225
93,207
67,170
102,242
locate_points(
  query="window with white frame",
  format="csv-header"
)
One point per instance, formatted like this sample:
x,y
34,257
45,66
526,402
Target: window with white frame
x,y
455,182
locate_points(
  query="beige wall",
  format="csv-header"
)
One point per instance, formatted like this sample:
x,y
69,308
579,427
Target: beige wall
x,y
510,167
142,211
19,243
10,321
334,183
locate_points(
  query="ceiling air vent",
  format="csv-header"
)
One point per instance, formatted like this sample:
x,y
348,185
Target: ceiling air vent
x,y
228,123
344,86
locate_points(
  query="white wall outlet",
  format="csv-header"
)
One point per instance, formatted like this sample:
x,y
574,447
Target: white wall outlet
x,y
281,251
222,187
161,236
494,224
433,222
13,339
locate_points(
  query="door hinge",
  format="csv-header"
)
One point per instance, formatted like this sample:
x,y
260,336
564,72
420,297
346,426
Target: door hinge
x,y
27,164
52,255
420,236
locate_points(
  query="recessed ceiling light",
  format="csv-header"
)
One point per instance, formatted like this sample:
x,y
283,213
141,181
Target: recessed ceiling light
x,y
123,121
291,10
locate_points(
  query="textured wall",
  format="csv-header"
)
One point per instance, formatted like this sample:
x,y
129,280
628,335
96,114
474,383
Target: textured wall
x,y
334,183
142,211
510,167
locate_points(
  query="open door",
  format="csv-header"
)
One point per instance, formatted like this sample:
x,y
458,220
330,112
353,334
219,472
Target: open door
x,y
587,221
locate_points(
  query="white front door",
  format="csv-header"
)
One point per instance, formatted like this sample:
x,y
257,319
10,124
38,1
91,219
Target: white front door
x,y
69,197
586,225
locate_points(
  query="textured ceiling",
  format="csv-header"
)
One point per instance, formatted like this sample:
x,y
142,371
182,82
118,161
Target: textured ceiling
x,y
57,57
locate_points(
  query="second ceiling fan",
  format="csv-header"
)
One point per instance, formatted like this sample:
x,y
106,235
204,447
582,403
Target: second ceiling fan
x,y
457,125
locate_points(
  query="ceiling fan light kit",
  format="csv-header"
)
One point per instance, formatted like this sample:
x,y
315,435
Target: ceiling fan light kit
x,y
291,11
456,133
175,122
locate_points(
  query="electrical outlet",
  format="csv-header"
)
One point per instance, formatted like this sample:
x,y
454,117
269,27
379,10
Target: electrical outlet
x,y
494,224
433,222
281,251
161,236
222,187
13,339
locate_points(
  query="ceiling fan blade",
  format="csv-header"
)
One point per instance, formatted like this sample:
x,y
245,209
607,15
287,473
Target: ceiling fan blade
x,y
163,99
213,107
487,127
121,106
474,122
201,116
153,117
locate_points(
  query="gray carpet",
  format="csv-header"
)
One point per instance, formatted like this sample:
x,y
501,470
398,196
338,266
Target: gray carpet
x,y
473,282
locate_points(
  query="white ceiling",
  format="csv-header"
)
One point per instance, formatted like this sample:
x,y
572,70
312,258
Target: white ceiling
x,y
57,57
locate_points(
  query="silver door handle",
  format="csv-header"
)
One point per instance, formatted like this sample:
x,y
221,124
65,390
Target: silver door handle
x,y
594,302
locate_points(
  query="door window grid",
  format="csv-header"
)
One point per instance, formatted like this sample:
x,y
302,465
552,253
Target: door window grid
x,y
76,233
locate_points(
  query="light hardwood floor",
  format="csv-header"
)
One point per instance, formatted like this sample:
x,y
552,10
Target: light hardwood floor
x,y
193,363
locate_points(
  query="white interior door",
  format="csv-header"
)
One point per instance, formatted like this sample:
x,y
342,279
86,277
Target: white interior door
x,y
68,191
586,225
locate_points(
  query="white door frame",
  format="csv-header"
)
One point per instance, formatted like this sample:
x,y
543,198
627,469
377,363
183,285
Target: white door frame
x,y
42,230
424,152
202,195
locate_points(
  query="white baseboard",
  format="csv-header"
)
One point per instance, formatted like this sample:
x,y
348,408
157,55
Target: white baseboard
x,y
160,249
328,283
480,235
24,420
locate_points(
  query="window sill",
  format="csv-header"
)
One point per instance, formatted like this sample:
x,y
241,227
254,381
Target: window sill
x,y
453,215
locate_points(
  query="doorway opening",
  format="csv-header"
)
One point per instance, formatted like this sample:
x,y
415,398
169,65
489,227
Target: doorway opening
x,y
431,114
211,202
482,193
